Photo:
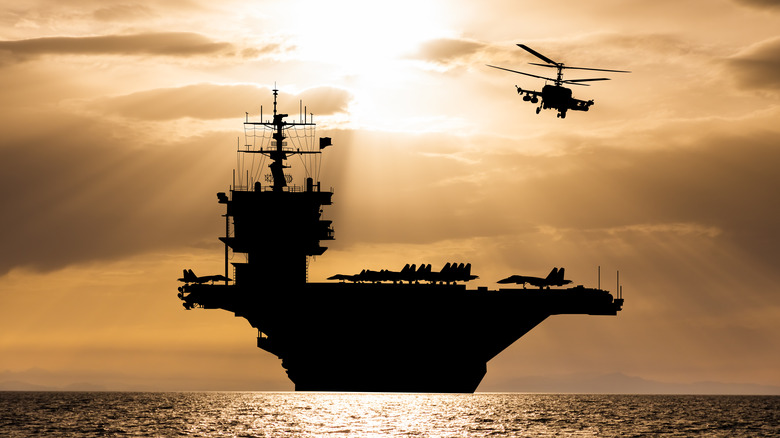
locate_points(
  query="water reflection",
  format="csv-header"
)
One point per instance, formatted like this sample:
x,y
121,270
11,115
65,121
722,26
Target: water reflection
x,y
373,415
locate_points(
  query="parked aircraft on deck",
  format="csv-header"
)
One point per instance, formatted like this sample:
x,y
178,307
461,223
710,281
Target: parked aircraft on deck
x,y
554,278
450,273
190,277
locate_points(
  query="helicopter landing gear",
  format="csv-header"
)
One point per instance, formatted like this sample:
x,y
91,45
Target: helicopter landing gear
x,y
562,115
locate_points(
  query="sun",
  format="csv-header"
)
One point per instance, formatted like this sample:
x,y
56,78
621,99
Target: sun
x,y
362,36
367,48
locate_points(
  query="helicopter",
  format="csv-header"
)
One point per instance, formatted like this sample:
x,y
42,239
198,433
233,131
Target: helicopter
x,y
556,96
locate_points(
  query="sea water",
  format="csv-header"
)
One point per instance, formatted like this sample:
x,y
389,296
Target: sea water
x,y
257,414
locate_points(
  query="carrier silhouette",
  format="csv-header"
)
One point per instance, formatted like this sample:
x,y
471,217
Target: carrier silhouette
x,y
412,330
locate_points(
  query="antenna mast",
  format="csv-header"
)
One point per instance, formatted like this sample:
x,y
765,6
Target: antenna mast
x,y
278,153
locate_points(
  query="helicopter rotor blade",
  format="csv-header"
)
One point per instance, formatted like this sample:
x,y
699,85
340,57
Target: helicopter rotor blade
x,y
586,80
575,83
597,69
546,65
579,68
537,54
522,73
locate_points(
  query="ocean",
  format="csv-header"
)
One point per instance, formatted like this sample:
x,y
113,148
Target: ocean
x,y
260,414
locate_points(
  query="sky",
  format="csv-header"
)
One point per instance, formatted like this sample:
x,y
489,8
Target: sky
x,y
119,122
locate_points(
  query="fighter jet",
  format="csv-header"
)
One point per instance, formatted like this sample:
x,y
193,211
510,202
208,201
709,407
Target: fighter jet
x,y
554,278
451,273
421,273
190,277
406,274
347,277
463,273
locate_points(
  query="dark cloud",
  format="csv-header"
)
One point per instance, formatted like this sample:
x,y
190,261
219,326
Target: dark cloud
x,y
758,66
763,4
80,189
720,184
180,44
447,50
53,14
211,101
715,188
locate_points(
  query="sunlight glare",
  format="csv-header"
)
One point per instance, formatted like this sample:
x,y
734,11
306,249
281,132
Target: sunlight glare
x,y
363,36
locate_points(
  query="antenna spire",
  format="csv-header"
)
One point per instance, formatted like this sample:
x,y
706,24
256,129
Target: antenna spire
x,y
276,93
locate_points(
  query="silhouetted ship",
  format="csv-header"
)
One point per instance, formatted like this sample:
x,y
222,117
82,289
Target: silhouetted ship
x,y
414,330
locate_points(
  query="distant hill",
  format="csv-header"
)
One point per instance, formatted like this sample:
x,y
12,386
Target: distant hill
x,y
612,383
15,385
618,383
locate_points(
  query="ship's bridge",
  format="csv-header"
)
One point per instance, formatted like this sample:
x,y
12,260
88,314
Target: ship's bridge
x,y
274,209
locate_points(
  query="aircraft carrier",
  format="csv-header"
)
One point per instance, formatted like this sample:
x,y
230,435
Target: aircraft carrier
x,y
413,330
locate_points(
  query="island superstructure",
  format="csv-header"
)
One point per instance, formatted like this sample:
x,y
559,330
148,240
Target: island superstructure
x,y
416,330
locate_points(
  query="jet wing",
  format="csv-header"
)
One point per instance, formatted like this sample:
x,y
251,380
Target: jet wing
x,y
207,278
521,279
516,279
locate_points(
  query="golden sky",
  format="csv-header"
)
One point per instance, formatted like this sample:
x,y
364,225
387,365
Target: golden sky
x,y
119,119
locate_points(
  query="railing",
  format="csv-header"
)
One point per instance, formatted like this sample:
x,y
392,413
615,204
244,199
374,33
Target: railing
x,y
269,188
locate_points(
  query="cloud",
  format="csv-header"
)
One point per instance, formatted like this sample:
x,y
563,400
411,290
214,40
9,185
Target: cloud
x,y
102,192
103,189
654,47
123,12
212,101
53,14
447,51
178,44
680,229
718,183
762,4
82,189
665,184
757,66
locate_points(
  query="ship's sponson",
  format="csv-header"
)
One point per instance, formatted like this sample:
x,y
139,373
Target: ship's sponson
x,y
450,273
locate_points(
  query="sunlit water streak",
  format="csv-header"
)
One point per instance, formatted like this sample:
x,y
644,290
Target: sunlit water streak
x,y
214,414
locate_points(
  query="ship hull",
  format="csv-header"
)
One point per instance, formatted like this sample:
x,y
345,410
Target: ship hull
x,y
369,337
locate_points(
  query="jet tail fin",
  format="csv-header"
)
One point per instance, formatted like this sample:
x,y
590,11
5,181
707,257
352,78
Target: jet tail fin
x,y
553,275
188,276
